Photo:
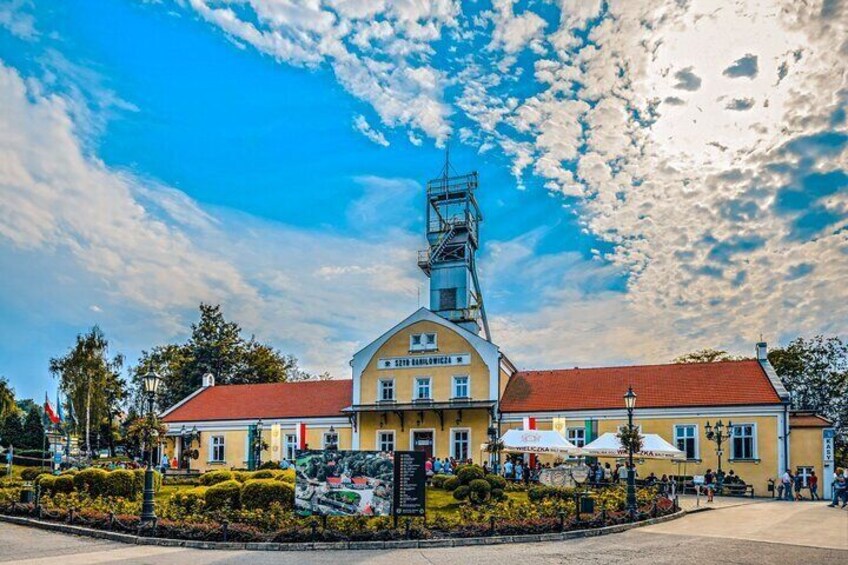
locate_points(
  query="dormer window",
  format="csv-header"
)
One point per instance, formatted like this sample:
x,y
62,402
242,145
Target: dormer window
x,y
423,342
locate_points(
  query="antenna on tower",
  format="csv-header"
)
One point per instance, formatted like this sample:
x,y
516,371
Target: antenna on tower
x,y
447,168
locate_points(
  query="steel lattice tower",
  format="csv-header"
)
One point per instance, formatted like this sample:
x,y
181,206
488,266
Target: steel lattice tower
x,y
453,219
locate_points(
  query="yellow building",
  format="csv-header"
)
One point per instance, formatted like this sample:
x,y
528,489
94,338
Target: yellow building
x,y
436,382
427,384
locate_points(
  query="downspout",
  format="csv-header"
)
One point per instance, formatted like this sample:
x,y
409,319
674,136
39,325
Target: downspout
x,y
786,433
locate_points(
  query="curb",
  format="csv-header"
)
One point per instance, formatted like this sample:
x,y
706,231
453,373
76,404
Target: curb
x,y
332,546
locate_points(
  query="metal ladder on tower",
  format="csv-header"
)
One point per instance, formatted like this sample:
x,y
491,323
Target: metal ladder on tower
x,y
443,242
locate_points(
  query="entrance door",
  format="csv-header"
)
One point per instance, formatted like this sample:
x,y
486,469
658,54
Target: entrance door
x,y
423,441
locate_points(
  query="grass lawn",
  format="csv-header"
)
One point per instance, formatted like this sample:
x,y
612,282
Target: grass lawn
x,y
442,502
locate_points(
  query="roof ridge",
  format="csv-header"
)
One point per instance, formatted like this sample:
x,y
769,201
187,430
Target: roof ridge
x,y
634,366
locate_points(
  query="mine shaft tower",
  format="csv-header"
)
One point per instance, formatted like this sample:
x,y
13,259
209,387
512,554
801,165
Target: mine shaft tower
x,y
453,219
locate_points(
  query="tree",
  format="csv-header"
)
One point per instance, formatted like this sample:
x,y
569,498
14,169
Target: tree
x,y
815,372
708,356
7,399
33,430
12,432
215,346
91,381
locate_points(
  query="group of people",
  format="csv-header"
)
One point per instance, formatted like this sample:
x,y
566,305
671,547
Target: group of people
x,y
446,466
791,484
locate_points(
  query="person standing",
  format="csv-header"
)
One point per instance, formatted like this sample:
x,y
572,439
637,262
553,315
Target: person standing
x,y
813,483
709,483
839,488
164,463
786,482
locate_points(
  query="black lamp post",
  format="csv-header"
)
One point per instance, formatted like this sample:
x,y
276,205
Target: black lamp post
x,y
630,404
494,449
718,434
257,445
148,510
334,439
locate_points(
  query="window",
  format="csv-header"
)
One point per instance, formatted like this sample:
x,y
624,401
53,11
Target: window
x,y
217,448
291,447
460,387
423,342
577,436
331,441
743,442
386,441
422,388
685,437
805,473
447,299
386,392
460,444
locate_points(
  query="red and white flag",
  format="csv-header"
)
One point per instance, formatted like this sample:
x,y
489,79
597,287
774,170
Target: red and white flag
x,y
48,409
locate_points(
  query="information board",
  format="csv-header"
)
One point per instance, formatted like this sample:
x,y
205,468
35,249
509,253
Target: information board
x,y
409,482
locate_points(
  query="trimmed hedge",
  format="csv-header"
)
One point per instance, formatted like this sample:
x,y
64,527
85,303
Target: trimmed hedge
x,y
30,473
264,474
121,482
224,495
92,481
438,481
215,477
138,474
190,500
468,473
261,493
63,484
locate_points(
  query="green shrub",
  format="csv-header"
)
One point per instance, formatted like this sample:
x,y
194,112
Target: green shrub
x,y
261,493
270,465
63,484
286,476
540,493
496,482
451,483
498,494
224,495
215,477
47,483
92,481
438,481
190,501
461,492
468,473
138,475
479,491
242,476
121,482
31,473
264,474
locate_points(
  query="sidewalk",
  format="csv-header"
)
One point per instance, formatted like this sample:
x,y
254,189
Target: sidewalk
x,y
690,502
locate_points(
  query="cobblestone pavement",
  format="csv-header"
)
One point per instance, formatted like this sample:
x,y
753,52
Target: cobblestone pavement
x,y
784,533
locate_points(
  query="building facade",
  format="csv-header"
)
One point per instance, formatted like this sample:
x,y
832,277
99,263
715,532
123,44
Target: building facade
x,y
437,383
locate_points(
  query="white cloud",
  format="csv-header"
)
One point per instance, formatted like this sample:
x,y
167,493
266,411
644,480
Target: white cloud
x,y
143,255
361,125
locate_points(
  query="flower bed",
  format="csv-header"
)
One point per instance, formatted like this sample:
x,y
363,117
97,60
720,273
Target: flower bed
x,y
186,516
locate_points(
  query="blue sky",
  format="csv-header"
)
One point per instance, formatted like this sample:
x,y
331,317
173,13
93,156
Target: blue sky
x,y
641,199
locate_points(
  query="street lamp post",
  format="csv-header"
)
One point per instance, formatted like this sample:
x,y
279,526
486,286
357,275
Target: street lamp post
x,y
630,404
718,434
148,509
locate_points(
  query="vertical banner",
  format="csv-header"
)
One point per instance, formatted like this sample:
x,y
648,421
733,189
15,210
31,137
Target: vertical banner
x,y
827,462
276,443
251,455
300,432
530,424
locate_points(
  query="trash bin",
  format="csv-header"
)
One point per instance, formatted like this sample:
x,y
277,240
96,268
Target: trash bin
x,y
27,496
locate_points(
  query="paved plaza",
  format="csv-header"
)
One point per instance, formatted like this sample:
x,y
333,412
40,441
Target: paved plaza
x,y
760,532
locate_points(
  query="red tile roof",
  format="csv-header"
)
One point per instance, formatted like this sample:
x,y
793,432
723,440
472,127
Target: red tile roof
x,y
309,399
808,420
725,383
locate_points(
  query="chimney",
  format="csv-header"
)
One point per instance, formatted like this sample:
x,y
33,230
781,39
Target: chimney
x,y
208,380
762,351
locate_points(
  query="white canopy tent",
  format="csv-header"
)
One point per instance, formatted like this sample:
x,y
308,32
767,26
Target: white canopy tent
x,y
653,447
537,441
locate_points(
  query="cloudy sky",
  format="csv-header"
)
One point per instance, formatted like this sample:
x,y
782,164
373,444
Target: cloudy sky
x,y
656,177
